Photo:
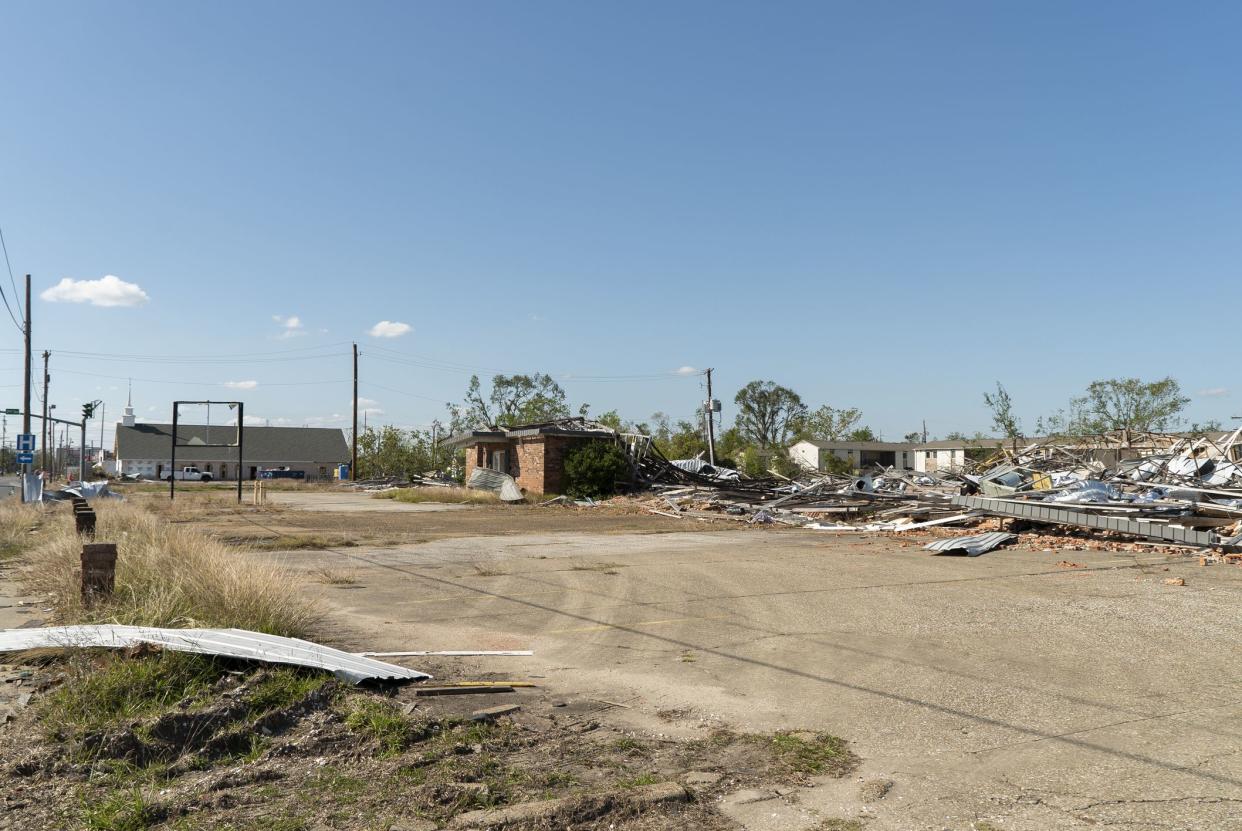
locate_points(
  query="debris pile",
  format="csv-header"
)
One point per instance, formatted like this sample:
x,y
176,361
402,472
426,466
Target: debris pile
x,y
1163,489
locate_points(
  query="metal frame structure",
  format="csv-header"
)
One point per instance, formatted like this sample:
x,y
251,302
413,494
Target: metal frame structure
x,y
241,417
1043,512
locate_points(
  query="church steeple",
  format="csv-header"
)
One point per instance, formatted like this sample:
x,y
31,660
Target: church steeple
x,y
127,418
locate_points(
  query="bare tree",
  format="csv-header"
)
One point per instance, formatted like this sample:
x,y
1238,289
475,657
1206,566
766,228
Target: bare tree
x,y
1003,418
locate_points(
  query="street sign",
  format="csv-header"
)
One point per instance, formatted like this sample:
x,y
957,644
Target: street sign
x,y
12,411
26,442
25,458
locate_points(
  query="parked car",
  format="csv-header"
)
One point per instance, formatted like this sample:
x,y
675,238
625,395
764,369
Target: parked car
x,y
187,474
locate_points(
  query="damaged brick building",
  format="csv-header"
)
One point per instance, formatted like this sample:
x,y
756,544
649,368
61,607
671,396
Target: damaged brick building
x,y
533,454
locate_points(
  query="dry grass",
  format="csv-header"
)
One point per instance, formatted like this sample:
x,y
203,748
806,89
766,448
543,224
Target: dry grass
x,y
335,577
456,496
167,575
290,542
200,504
16,523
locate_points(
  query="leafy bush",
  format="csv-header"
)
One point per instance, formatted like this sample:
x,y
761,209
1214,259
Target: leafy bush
x,y
593,469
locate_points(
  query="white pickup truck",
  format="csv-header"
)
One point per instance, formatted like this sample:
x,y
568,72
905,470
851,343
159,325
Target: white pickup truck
x,y
187,474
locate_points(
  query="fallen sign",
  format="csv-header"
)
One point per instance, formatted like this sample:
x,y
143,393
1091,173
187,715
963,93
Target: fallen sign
x,y
231,643
973,546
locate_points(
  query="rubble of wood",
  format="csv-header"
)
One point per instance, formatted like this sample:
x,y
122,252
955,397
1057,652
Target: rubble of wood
x,y
1167,490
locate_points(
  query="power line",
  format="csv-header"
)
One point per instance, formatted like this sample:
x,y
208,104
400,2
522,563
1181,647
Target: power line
x,y
201,383
278,356
423,362
373,385
13,283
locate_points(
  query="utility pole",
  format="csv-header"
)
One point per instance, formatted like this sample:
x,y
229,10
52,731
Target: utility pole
x,y
103,419
46,379
711,422
353,466
27,379
924,431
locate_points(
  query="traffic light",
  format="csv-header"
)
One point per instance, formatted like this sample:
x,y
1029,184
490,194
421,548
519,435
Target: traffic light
x,y
88,411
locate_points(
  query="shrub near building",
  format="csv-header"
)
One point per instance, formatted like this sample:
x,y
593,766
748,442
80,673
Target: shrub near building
x,y
594,469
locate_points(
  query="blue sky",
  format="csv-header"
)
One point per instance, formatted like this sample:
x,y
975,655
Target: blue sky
x,y
882,205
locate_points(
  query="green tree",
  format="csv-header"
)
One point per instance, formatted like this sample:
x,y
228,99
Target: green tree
x,y
513,399
1210,426
611,419
863,433
389,451
913,438
1132,404
768,414
828,423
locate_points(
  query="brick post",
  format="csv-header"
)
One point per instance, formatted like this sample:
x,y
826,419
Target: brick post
x,y
98,571
85,520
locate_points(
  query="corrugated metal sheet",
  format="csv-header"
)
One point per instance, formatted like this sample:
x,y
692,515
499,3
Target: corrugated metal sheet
x,y
486,479
973,546
232,643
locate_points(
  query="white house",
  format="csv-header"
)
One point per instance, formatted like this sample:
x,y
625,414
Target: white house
x,y
923,457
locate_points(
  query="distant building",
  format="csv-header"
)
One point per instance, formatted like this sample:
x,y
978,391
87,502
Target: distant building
x,y
144,450
921,457
533,454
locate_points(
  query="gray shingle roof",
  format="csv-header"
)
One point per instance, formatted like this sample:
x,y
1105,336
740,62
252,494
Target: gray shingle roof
x,y
262,445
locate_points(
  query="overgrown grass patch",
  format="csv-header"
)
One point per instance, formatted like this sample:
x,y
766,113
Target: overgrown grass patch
x,y
18,522
283,687
294,542
102,690
638,781
813,753
167,575
121,810
382,723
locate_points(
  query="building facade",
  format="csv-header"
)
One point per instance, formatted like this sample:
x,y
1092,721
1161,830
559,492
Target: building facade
x,y
533,454
144,450
920,457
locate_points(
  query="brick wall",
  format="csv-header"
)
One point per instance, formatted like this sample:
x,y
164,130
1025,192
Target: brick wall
x,y
537,463
529,461
480,455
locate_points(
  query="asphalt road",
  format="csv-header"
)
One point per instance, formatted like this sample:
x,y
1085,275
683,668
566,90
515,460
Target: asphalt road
x,y
10,486
1002,689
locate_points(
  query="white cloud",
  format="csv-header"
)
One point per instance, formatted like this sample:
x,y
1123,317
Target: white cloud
x,y
1213,392
366,402
109,290
260,421
390,329
290,327
241,385
686,370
